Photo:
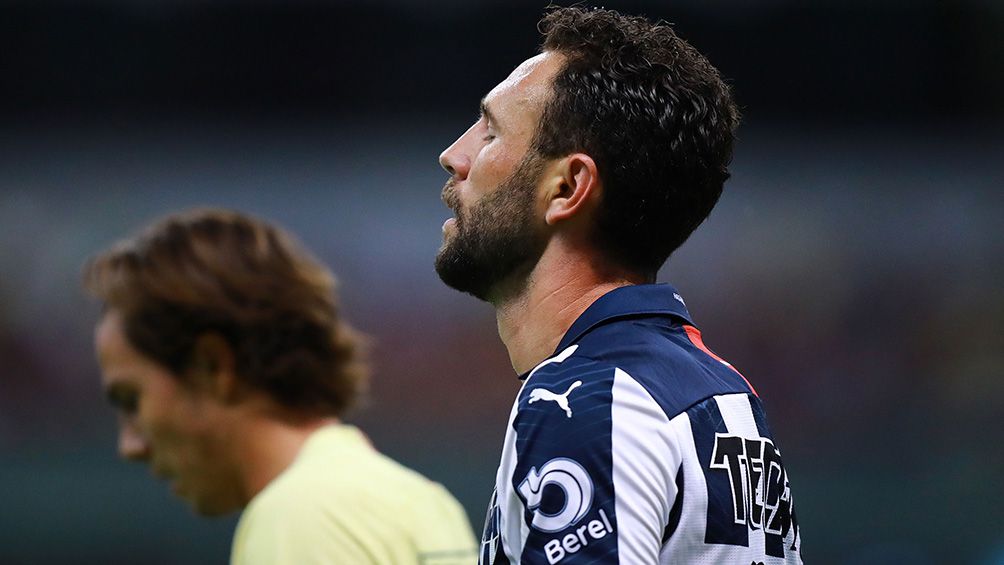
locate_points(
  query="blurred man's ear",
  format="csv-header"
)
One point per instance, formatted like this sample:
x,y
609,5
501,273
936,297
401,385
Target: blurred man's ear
x,y
213,368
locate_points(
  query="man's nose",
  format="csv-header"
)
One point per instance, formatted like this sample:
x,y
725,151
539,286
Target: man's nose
x,y
455,162
456,159
132,444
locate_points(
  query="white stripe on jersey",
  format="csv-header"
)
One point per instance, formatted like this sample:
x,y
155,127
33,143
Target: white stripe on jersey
x,y
556,359
645,457
688,539
738,416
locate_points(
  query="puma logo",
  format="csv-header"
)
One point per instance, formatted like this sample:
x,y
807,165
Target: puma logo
x,y
562,399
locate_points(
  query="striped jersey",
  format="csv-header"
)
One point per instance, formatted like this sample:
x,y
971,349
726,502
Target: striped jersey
x,y
636,444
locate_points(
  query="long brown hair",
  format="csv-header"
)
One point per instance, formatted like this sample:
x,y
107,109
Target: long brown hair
x,y
224,272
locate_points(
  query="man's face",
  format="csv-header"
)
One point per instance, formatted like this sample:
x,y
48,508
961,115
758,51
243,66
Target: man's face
x,y
173,427
498,234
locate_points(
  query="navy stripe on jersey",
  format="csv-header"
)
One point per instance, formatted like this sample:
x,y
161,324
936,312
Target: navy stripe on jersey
x,y
564,460
674,513
760,417
775,542
706,421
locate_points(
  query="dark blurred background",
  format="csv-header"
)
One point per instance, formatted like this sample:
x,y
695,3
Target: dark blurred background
x,y
853,269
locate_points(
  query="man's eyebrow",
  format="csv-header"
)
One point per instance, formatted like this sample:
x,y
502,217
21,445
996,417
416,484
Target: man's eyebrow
x,y
486,112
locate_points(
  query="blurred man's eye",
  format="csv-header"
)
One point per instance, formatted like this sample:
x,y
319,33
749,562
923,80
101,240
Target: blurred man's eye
x,y
125,402
129,404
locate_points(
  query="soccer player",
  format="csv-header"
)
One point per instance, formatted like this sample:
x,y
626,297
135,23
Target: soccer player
x,y
629,441
223,351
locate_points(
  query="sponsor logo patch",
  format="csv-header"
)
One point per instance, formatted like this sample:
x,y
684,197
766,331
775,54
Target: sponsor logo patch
x,y
571,543
572,479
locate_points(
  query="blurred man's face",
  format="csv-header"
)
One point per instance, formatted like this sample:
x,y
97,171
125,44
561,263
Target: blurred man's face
x,y
174,428
498,231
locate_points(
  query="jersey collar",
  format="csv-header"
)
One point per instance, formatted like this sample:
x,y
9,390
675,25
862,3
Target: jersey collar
x,y
624,302
627,301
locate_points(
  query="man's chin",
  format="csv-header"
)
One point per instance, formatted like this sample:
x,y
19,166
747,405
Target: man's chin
x,y
205,505
212,509
456,276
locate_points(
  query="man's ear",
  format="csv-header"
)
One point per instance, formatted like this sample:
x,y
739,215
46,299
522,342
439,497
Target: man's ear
x,y
577,188
213,368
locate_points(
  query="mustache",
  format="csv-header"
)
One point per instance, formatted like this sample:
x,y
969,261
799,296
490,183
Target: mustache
x,y
449,195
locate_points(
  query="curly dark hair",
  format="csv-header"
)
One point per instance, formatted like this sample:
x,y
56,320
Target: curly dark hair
x,y
218,271
655,116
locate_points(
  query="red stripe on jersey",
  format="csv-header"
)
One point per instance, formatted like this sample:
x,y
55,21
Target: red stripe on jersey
x,y
695,337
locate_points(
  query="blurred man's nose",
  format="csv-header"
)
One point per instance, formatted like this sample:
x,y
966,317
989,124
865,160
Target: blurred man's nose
x,y
132,445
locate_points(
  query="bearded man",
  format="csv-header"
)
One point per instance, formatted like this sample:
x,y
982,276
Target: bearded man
x,y
629,441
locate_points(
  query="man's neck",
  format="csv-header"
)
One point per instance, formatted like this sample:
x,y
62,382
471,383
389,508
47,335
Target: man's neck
x,y
557,292
268,446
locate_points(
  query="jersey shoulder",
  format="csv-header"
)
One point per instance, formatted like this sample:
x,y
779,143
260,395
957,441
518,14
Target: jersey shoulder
x,y
667,358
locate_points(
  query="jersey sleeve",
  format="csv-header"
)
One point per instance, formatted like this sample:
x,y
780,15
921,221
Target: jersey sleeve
x,y
596,467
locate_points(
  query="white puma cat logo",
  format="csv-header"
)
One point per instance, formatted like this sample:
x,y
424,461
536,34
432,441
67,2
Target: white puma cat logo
x,y
562,399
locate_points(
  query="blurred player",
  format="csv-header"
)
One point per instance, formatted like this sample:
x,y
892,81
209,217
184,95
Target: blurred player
x,y
224,353
629,442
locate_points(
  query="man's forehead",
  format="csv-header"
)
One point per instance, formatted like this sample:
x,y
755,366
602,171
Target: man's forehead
x,y
116,356
108,335
525,69
528,81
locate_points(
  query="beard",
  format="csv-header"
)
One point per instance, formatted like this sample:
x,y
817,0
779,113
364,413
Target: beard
x,y
497,242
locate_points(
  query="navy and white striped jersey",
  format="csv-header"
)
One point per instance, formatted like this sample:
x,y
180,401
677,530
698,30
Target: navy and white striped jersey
x,y
636,444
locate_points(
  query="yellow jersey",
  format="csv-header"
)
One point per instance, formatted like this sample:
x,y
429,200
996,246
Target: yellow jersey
x,y
341,501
